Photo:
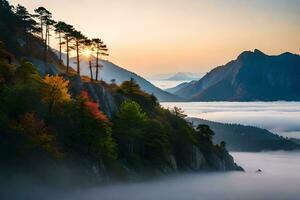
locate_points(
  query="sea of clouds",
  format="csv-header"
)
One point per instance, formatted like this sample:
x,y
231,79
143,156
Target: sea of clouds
x,y
279,117
279,180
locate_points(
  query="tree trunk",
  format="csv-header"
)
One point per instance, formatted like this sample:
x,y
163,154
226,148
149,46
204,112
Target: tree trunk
x,y
60,47
45,44
48,38
91,71
67,54
78,61
97,66
26,39
42,35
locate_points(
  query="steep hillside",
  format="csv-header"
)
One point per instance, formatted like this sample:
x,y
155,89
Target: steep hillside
x,y
247,138
110,72
179,87
59,127
253,76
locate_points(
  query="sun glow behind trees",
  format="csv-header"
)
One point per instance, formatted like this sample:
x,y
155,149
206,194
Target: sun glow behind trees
x,y
70,40
87,53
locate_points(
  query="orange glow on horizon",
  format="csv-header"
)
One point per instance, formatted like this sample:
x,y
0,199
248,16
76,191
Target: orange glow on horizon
x,y
153,37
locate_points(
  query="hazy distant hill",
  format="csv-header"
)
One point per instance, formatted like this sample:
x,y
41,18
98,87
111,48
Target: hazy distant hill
x,y
253,76
111,71
178,87
247,138
176,76
183,76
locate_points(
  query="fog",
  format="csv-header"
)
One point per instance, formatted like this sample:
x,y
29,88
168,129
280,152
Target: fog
x,y
279,117
279,179
167,84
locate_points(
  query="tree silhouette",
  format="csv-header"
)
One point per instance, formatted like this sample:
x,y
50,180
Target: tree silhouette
x,y
100,48
67,30
205,131
59,29
223,144
49,23
130,87
179,112
29,25
88,44
45,18
40,14
79,43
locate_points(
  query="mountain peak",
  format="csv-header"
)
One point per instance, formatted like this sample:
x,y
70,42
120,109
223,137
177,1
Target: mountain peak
x,y
258,52
246,54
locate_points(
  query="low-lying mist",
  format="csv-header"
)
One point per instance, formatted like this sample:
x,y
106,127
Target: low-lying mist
x,y
279,179
279,117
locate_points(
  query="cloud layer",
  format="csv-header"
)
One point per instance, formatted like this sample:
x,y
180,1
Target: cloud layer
x,y
279,117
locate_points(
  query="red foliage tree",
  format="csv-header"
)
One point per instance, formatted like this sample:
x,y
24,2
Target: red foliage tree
x,y
93,107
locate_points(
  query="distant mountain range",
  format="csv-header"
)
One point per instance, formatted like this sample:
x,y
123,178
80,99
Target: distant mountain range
x,y
111,72
178,76
247,138
182,76
253,76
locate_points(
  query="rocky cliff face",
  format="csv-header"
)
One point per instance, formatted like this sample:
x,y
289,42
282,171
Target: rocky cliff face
x,y
221,161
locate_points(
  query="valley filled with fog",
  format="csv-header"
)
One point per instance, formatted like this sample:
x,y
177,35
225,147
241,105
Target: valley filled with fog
x,y
279,117
279,179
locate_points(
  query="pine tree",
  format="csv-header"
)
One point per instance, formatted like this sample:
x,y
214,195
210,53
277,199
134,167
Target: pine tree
x,y
67,31
79,39
45,18
100,48
88,44
59,29
29,25
41,12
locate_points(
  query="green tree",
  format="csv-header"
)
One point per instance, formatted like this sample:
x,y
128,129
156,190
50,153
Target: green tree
x,y
27,73
84,135
157,143
6,68
204,137
19,99
205,131
130,87
129,127
178,112
29,25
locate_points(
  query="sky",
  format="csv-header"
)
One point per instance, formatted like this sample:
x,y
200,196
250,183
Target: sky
x,y
163,36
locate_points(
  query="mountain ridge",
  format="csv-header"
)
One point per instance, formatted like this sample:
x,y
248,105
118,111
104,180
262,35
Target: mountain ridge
x,y
253,76
111,71
247,138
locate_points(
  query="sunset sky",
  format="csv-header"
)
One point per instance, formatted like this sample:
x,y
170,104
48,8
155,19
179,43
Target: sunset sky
x,y
161,36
